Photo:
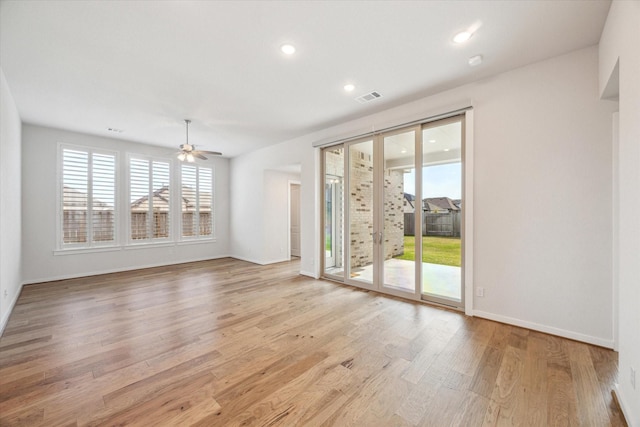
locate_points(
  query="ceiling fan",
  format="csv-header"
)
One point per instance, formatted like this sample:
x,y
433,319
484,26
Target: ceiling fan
x,y
188,151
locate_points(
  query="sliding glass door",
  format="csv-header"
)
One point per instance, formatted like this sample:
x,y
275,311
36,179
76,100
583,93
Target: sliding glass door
x,y
333,219
397,217
442,207
392,211
363,227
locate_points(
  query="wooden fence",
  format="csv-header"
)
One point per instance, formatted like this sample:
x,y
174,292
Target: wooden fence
x,y
434,224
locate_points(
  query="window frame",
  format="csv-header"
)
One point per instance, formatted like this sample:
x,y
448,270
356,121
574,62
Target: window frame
x,y
90,245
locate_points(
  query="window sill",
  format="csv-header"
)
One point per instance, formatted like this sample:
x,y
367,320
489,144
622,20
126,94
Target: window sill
x,y
76,251
196,241
144,245
132,246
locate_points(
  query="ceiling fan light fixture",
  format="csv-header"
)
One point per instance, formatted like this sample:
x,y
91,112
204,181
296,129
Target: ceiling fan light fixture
x,y
189,152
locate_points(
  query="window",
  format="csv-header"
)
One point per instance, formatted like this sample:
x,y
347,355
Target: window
x,y
150,199
197,202
88,198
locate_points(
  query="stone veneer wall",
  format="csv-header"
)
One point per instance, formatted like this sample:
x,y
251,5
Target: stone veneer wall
x,y
393,213
360,207
361,213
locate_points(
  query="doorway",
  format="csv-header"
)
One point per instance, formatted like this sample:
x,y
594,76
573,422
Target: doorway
x,y
393,212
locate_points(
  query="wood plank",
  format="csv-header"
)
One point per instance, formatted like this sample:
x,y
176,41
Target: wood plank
x,y
226,342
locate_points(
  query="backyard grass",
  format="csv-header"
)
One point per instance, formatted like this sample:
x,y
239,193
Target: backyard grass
x,y
435,250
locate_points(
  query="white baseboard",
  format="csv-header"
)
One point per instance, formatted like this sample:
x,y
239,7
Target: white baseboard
x,y
546,329
118,270
241,258
272,261
275,261
308,274
624,406
7,314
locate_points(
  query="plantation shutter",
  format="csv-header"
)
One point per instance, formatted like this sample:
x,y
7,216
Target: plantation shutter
x,y
197,201
150,199
103,186
189,201
160,199
205,191
139,194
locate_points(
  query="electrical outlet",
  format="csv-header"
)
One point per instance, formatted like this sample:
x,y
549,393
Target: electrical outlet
x,y
480,292
632,377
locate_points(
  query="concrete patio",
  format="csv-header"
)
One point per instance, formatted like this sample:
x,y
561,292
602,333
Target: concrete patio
x,y
437,280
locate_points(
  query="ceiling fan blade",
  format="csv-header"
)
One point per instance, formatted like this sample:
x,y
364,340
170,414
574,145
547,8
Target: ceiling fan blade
x,y
214,153
198,155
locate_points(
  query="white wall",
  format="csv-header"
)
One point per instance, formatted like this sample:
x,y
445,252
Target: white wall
x,y
259,204
10,196
40,145
542,193
276,214
620,42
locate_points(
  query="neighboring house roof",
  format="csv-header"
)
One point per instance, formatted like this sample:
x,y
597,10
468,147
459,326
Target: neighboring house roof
x,y
439,204
410,198
409,203
77,200
161,200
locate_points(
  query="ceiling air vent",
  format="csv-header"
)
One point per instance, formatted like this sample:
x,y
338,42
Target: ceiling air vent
x,y
368,97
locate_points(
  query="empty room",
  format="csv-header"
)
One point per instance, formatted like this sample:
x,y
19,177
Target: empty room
x,y
320,213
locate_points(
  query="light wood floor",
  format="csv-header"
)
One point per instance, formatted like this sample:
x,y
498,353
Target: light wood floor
x,y
227,342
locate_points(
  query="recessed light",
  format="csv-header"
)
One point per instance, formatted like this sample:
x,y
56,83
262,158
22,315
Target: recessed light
x,y
288,49
446,149
404,150
475,60
349,87
462,37
432,141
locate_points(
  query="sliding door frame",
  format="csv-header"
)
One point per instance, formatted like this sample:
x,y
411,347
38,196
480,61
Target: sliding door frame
x,y
466,117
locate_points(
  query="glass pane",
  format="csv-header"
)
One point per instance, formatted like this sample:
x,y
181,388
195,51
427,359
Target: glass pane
x,y
399,241
361,211
333,215
442,211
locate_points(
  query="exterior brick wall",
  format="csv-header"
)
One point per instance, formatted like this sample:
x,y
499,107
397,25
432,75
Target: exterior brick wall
x,y
361,202
334,171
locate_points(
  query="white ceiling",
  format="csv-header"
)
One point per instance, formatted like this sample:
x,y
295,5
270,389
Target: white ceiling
x,y
144,66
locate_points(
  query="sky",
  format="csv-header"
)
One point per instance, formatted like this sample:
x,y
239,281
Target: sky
x,y
437,181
